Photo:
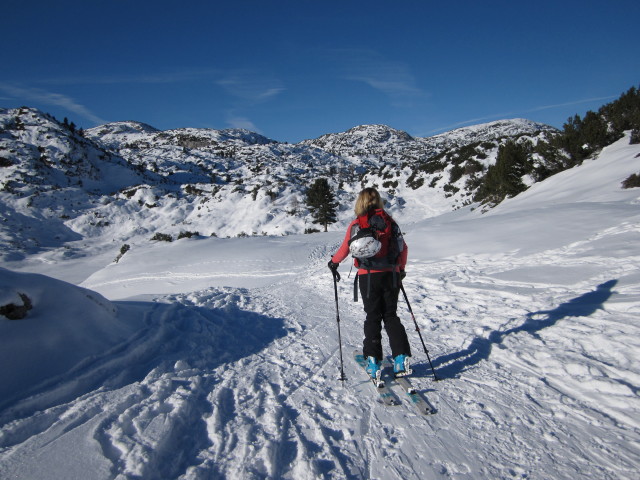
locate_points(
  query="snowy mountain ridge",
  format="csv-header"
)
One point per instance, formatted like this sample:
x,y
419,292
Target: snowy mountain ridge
x,y
221,182
117,134
381,139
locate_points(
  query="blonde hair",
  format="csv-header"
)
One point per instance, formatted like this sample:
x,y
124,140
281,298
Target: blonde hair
x,y
367,199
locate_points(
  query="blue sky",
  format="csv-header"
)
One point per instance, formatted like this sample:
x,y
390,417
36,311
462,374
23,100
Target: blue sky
x,y
293,70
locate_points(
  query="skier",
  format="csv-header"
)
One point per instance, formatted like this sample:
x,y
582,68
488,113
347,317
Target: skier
x,y
379,287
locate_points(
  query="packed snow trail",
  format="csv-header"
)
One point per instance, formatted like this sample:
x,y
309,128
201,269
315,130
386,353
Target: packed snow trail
x,y
236,383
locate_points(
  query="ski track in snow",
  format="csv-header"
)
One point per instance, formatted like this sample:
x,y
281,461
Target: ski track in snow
x,y
533,385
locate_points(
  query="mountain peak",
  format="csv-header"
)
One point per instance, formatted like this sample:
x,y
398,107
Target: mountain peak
x,y
379,133
498,129
367,139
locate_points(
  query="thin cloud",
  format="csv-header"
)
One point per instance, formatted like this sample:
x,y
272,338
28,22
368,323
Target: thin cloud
x,y
394,79
390,83
141,78
472,121
51,98
248,89
248,86
271,92
242,122
251,87
568,104
495,116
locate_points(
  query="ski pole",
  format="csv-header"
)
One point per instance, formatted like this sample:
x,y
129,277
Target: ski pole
x,y
335,288
435,377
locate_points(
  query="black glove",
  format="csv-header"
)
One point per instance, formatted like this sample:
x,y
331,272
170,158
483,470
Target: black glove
x,y
402,274
334,269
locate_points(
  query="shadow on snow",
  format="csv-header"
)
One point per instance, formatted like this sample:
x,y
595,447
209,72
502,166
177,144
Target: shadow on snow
x,y
452,365
173,355
174,337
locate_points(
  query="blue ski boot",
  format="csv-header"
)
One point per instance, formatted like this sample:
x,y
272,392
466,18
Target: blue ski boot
x,y
401,366
374,371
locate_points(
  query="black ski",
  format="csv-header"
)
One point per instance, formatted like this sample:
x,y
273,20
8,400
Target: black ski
x,y
387,395
415,397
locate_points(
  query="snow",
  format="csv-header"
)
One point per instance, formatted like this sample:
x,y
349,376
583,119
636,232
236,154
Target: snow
x,y
218,358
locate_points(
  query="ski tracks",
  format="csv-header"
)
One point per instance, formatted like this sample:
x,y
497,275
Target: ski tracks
x,y
283,413
273,412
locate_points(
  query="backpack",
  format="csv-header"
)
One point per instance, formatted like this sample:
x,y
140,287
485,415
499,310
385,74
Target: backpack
x,y
375,243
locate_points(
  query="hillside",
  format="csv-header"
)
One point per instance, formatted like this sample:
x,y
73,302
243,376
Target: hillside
x,y
61,186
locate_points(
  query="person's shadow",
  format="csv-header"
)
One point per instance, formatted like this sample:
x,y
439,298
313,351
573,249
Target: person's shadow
x,y
452,365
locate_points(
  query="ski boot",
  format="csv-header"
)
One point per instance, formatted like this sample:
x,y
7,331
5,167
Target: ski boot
x,y
374,370
401,366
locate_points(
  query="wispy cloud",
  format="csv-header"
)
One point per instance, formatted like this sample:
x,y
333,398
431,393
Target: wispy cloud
x,y
248,89
251,87
181,76
242,122
247,85
473,121
568,104
392,78
29,94
393,82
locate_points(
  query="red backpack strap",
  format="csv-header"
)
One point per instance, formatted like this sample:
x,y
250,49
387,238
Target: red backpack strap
x,y
363,220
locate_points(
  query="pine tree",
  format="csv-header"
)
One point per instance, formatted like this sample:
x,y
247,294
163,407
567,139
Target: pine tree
x,y
321,201
504,178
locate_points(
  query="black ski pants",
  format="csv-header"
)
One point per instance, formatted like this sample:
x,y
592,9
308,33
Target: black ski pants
x,y
380,299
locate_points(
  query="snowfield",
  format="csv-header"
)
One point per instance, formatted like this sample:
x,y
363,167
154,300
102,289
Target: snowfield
x,y
216,358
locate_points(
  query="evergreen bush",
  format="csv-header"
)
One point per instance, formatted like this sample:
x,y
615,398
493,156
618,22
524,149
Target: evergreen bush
x,y
456,173
632,181
124,249
162,237
188,234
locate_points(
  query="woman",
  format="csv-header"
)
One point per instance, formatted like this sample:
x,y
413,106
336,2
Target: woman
x,y
379,288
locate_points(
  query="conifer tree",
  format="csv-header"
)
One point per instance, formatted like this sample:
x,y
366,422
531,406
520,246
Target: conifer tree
x,y
504,178
321,201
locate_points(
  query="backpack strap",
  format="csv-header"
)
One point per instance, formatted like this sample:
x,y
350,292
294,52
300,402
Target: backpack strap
x,y
355,285
355,288
363,221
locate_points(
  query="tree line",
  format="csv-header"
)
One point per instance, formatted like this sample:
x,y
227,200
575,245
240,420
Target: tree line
x,y
579,139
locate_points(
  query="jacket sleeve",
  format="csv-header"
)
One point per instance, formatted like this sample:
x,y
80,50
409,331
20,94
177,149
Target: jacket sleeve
x,y
343,251
403,256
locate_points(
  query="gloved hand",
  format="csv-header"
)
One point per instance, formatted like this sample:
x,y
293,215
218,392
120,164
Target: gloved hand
x,y
402,274
334,269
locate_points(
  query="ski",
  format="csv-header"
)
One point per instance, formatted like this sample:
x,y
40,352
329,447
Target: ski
x,y
416,398
387,396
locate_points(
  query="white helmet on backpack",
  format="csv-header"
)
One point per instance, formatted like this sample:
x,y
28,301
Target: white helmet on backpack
x,y
365,247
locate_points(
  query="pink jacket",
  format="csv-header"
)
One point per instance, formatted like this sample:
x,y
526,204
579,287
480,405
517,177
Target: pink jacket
x,y
343,252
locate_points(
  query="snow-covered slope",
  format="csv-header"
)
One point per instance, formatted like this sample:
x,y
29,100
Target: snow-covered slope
x,y
49,175
89,185
221,357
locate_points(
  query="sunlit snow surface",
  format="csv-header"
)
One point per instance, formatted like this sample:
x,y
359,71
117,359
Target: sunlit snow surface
x,y
218,358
